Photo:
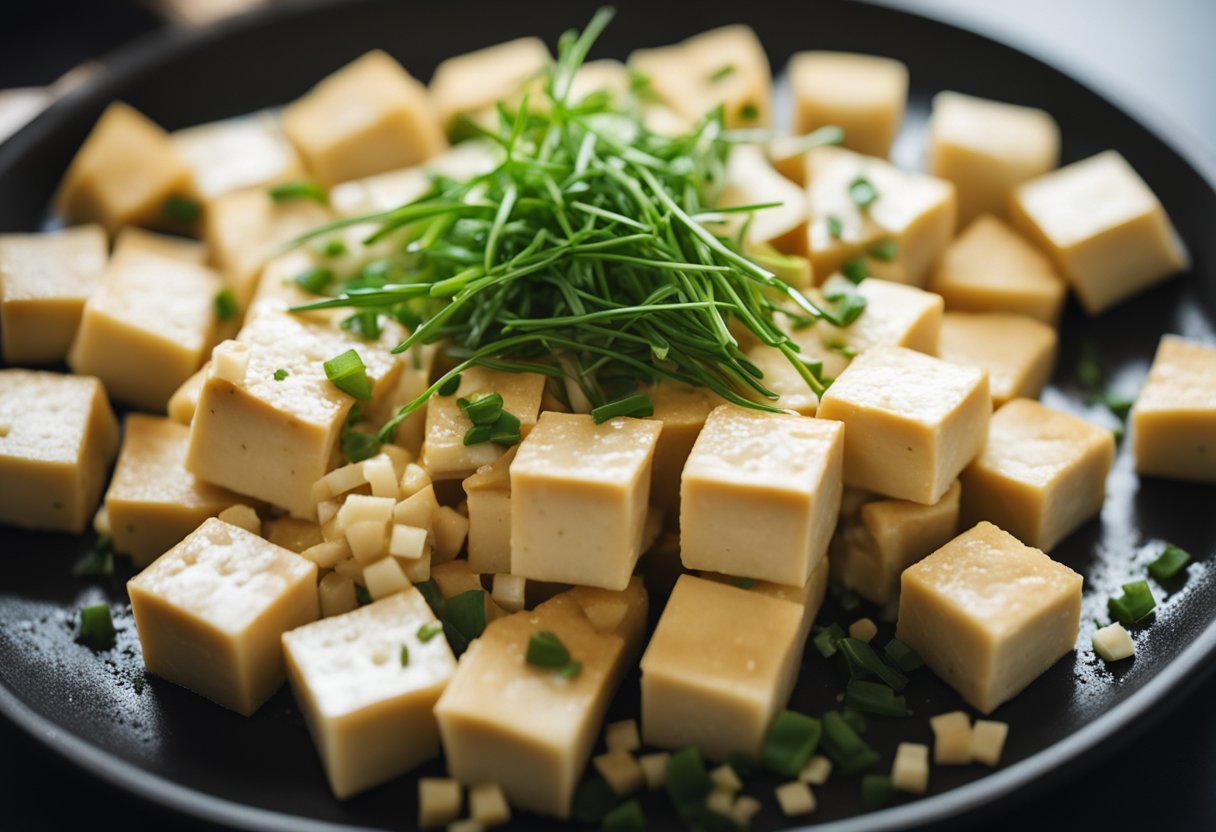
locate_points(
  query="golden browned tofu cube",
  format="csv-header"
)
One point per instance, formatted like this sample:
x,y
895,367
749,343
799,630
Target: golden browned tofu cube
x,y
212,610
524,727
989,614
682,409
1041,475
865,95
475,82
153,501
782,472
724,67
719,668
245,152
578,499
366,684
987,148
913,421
149,325
368,117
1105,229
45,280
1174,419
57,438
991,268
124,173
1018,352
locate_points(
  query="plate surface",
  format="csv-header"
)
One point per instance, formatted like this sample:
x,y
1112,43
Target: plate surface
x,y
170,746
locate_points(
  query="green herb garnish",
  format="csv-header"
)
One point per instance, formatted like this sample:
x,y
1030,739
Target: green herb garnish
x,y
637,405
835,226
225,305
298,189
825,640
593,799
362,596
790,742
96,627
315,280
1172,561
749,112
847,750
688,782
625,818
874,698
855,271
1134,605
334,248
405,655
280,374
862,192
348,374
181,209
876,791
100,561
722,72
886,250
545,649
429,630
902,656
450,386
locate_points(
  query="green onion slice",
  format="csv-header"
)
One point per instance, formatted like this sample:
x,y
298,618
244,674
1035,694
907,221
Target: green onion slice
x,y
874,698
348,374
315,280
280,374
1172,561
688,782
638,406
862,192
593,799
429,630
855,271
545,649
450,386
481,408
876,791
864,663
625,818
181,209
790,742
885,250
298,189
902,656
225,305
405,655
96,627
1134,605
825,640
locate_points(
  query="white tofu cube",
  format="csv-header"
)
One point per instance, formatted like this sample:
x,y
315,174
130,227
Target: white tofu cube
x,y
1018,351
236,153
865,95
1174,419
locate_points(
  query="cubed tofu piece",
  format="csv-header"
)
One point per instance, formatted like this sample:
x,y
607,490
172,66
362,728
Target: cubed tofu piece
x,y
292,534
987,148
895,314
782,377
873,547
475,82
809,596
914,211
1105,229
781,471
1174,419
913,422
45,280
1040,476
751,180
211,611
719,668
394,188
988,614
245,152
865,95
366,684
272,439
184,400
682,409
124,173
444,453
578,499
724,67
150,324
153,501
368,117
1018,352
524,727
58,436
488,493
605,76
991,268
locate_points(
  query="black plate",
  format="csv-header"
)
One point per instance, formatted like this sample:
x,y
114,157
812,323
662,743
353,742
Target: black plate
x,y
172,747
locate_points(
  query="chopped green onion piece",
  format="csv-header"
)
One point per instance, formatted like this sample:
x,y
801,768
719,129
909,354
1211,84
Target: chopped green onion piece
x,y
790,742
357,446
100,561
721,72
450,386
570,671
1089,370
1134,605
854,719
405,655
467,613
885,250
637,405
1172,561
876,791
1120,406
476,434
842,744
96,627
902,656
138,684
434,599
825,640
298,189
456,639
855,271
349,375
874,698
481,408
863,663
844,349
849,306
688,782
280,374
362,595
1118,433
181,209
505,431
365,324
593,799
625,818
545,649
749,112
746,583
835,226
225,305
862,192
429,630
315,280
334,248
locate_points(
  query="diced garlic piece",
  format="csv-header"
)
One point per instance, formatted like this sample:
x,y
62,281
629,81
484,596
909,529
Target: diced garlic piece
x,y
451,528
951,739
327,510
399,456
418,570
910,771
1113,643
721,801
863,629
724,777
988,741
488,805
243,516
380,475
746,807
618,736
816,771
367,540
795,798
229,361
383,578
337,594
439,801
418,509
327,555
101,520
508,591
414,479
359,508
621,770
654,769
407,542
341,480
350,568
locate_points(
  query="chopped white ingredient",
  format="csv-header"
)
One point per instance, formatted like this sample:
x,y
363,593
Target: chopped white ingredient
x,y
101,520
350,568
418,509
400,458
381,477
327,510
607,614
368,540
654,769
721,801
414,479
417,570
407,542
339,481
466,825
243,516
359,508
746,807
621,770
618,736
1114,643
508,591
488,804
326,555
383,578
795,798
451,528
863,629
724,777
337,595
438,801
816,771
229,361
951,739
910,771
988,741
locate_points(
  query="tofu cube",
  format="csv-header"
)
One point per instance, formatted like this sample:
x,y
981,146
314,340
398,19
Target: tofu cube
x,y
782,378
988,741
991,268
578,499
951,738
443,450
809,596
1174,419
722,67
58,436
914,211
781,471
682,409
987,148
910,771
524,727
184,400
913,421
368,117
210,613
150,324
719,668
394,188
896,314
988,614
475,82
45,280
488,492
245,152
1018,352
123,173
153,501
1113,643
1041,475
751,180
865,95
1106,231
366,685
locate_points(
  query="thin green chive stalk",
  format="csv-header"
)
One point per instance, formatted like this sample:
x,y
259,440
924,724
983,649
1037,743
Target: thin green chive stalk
x,y
588,254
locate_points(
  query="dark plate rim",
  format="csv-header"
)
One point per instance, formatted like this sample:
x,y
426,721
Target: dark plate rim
x,y
1104,735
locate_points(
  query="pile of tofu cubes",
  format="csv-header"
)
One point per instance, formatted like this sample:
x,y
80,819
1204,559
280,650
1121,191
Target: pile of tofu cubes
x,y
256,541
